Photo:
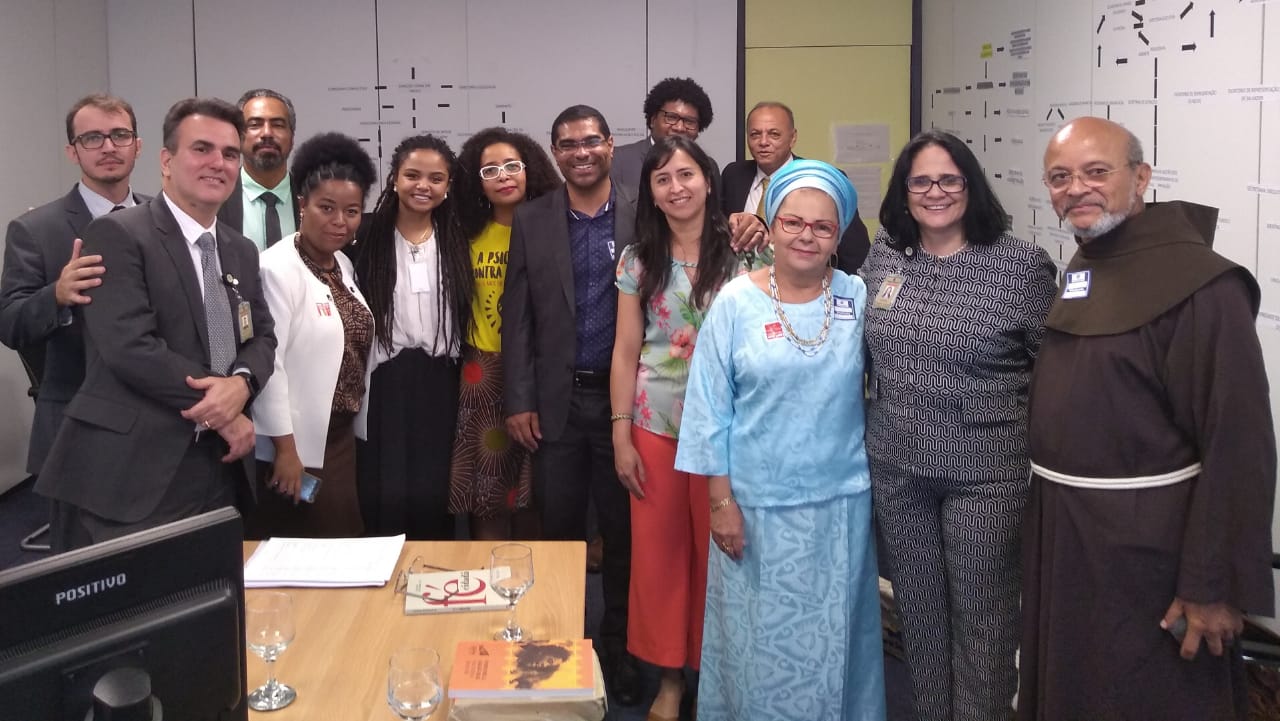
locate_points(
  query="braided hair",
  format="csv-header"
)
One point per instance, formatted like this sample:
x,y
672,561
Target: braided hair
x,y
376,261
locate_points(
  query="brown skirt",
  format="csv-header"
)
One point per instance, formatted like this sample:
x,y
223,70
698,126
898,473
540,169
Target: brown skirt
x,y
491,474
336,511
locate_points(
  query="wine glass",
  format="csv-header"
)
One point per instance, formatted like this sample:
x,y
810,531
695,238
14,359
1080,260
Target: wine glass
x,y
268,622
511,575
413,683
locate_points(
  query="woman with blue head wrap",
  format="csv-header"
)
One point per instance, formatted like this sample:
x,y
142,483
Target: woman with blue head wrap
x,y
773,415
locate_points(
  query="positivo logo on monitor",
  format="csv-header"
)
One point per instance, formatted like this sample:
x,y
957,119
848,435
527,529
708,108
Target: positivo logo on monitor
x,y
76,593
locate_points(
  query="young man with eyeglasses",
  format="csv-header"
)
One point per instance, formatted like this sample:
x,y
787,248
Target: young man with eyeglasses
x,y
675,106
1153,456
45,275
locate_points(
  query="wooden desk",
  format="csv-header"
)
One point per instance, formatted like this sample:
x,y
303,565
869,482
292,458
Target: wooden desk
x,y
345,636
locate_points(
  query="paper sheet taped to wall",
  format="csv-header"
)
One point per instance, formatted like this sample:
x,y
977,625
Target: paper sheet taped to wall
x,y
861,143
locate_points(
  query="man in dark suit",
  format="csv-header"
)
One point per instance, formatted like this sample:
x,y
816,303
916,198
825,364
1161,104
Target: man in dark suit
x,y
675,106
771,134
262,206
45,273
178,338
559,310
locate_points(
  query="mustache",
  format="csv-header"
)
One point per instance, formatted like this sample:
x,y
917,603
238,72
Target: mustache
x,y
266,143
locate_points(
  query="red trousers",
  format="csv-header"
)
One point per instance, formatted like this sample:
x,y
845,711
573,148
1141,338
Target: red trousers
x,y
670,535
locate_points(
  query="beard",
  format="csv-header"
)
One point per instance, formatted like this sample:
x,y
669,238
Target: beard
x,y
1108,221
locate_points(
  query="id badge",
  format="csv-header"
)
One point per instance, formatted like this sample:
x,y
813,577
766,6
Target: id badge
x,y
246,321
419,281
888,293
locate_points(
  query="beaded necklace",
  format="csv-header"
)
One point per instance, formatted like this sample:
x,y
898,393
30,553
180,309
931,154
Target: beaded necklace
x,y
807,346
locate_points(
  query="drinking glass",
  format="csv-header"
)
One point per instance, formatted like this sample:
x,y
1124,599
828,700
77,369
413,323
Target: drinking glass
x,y
413,683
268,622
511,575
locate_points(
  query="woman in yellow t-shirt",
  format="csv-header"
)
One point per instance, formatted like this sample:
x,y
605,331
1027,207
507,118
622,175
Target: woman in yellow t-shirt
x,y
491,476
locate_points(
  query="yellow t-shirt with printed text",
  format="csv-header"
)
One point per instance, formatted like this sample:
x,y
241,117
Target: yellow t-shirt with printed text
x,y
489,265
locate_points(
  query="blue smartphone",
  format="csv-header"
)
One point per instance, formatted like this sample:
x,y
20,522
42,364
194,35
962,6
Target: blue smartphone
x,y
310,487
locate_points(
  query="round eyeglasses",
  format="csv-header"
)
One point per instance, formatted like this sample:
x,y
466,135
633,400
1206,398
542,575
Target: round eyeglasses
x,y
921,184
493,172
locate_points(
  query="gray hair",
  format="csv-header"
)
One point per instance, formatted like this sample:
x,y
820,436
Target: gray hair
x,y
269,93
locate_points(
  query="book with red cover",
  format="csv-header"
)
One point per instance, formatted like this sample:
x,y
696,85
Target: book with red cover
x,y
529,669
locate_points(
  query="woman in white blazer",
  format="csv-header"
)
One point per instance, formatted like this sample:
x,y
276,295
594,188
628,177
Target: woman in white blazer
x,y
308,415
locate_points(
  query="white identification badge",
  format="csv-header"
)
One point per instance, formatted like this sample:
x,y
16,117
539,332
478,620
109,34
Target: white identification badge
x,y
419,281
842,308
1077,285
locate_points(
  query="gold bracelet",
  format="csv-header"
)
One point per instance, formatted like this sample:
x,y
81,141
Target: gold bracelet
x,y
620,417
722,503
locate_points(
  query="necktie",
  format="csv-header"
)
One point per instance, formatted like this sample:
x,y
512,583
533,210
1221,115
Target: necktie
x,y
764,187
271,221
118,207
217,309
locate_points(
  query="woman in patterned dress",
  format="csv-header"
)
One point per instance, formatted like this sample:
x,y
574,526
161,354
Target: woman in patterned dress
x,y
309,414
774,416
954,320
681,233
491,476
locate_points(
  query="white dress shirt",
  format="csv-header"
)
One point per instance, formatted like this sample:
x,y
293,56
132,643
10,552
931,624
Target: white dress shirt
x,y
99,206
757,188
192,230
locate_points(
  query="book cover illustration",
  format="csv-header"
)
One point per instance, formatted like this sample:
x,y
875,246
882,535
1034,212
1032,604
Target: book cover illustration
x,y
450,591
529,669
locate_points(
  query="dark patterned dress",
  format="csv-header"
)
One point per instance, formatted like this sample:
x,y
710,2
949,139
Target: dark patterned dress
x,y
951,360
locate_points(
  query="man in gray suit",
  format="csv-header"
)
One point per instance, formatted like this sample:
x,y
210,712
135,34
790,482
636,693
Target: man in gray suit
x,y
559,310
178,339
45,272
675,106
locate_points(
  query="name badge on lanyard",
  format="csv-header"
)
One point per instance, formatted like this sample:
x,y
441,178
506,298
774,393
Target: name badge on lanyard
x,y
419,280
888,293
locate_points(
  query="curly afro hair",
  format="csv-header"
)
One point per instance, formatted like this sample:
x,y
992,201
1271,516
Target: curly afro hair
x,y
683,89
474,209
331,156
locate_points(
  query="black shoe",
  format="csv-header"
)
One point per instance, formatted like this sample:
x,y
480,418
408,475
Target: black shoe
x,y
624,679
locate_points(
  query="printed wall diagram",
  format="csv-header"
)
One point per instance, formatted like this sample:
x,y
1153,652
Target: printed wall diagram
x,y
1198,81
381,71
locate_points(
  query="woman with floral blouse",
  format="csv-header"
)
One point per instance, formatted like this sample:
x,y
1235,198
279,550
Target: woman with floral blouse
x,y
666,282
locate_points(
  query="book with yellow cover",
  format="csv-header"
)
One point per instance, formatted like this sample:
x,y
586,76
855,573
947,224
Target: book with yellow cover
x,y
529,669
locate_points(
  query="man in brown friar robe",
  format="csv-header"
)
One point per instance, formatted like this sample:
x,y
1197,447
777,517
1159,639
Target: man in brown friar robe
x,y
1153,456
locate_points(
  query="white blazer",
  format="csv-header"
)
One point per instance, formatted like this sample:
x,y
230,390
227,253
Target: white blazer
x,y
298,398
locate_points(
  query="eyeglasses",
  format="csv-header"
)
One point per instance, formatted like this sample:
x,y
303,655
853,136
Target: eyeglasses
x,y
921,184
795,226
1089,177
572,146
93,140
493,172
671,119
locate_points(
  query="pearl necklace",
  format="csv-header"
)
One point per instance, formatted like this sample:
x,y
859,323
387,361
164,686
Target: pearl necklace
x,y
807,346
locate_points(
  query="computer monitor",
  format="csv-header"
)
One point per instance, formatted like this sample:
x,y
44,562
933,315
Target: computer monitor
x,y
164,605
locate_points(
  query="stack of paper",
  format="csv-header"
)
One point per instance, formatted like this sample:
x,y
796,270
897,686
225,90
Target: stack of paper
x,y
323,562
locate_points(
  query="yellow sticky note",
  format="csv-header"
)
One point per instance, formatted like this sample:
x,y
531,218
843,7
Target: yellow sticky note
x,y
986,50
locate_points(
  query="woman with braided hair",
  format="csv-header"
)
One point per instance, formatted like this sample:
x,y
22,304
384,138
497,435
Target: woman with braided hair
x,y
414,266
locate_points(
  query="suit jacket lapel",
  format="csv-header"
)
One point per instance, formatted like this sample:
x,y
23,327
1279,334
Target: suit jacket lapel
x,y
558,229
172,240
78,215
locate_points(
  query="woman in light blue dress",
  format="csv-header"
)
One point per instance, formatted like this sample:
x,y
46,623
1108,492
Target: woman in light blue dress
x,y
774,415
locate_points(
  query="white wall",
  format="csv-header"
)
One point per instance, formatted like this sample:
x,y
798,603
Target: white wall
x,y
52,54
1198,83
